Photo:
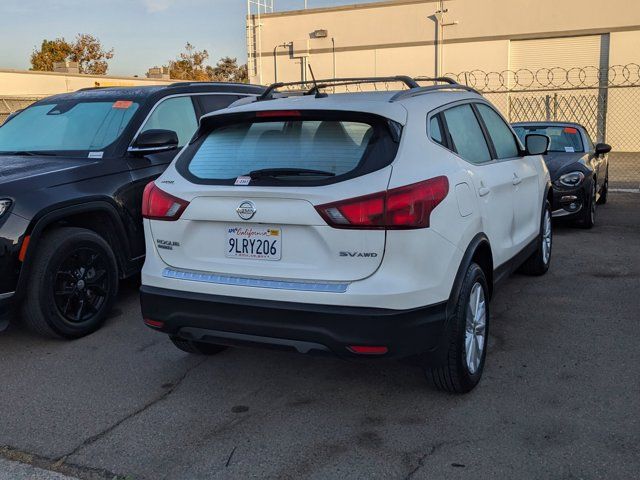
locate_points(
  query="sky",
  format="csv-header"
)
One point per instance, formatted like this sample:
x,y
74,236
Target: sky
x,y
143,33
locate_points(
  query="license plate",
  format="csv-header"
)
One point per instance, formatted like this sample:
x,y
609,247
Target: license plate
x,y
257,243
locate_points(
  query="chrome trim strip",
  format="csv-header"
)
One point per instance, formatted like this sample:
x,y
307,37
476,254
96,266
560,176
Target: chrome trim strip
x,y
324,287
6,295
561,212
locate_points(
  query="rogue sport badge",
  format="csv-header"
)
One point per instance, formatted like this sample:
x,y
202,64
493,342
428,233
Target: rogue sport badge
x,y
246,210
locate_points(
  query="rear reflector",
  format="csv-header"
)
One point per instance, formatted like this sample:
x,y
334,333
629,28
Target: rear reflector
x,y
159,205
153,323
278,113
405,207
368,349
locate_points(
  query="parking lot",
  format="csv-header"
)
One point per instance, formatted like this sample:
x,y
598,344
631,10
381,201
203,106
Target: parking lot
x,y
560,397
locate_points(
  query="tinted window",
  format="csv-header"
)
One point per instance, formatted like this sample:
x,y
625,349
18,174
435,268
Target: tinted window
x,y
436,131
175,114
501,135
67,125
211,103
467,137
327,145
562,139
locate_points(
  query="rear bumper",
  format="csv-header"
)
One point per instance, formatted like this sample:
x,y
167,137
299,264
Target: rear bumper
x,y
305,328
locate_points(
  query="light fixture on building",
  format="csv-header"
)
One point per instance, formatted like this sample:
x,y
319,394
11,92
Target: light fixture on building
x,y
320,33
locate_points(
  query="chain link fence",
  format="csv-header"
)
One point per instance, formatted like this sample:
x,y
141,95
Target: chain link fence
x,y
9,105
605,101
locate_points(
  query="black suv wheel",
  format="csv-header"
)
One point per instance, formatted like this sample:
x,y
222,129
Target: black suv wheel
x,y
73,283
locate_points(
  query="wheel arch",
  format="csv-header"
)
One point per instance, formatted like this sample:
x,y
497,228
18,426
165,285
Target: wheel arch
x,y
98,216
478,251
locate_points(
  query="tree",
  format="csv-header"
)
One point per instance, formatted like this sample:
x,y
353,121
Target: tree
x,y
227,70
91,57
191,65
85,49
51,51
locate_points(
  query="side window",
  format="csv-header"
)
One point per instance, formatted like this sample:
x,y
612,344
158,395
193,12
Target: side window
x,y
466,134
175,114
211,103
590,146
500,133
435,130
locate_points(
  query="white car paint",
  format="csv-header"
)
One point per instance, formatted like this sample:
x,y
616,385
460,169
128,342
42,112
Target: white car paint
x,y
412,268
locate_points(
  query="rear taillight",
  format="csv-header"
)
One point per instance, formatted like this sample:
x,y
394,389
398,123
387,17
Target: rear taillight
x,y
399,208
159,205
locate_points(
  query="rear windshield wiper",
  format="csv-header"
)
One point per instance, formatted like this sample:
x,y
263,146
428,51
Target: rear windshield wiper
x,y
29,153
289,172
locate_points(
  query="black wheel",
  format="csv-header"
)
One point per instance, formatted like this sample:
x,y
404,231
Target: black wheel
x,y
198,348
466,337
588,219
605,190
73,284
538,263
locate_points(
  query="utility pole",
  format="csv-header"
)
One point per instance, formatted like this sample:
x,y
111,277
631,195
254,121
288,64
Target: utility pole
x,y
440,14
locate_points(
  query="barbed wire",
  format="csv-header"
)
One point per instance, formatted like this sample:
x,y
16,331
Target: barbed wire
x,y
545,78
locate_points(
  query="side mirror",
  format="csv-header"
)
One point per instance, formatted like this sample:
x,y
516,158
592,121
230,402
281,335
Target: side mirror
x,y
536,144
602,148
154,141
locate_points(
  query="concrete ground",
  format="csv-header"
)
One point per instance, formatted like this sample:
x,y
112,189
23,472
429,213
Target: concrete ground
x,y
560,397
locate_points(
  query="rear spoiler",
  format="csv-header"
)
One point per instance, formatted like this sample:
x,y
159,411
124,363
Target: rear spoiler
x,y
215,120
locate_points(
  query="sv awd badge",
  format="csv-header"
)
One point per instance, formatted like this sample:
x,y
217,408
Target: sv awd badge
x,y
359,254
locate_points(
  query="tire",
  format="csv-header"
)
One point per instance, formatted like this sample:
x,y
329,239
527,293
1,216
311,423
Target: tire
x,y
197,348
72,285
538,263
605,191
588,219
461,370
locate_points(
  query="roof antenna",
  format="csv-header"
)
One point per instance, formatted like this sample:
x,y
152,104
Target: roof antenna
x,y
316,88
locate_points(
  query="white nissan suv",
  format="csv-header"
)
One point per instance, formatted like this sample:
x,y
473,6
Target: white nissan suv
x,y
370,224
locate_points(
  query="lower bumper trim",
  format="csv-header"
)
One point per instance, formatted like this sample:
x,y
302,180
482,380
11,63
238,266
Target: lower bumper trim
x,y
306,328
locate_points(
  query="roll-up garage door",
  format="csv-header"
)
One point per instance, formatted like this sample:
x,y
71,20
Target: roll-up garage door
x,y
565,52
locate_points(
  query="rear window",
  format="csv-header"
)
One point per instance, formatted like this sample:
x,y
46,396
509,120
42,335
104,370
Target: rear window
x,y
562,139
333,148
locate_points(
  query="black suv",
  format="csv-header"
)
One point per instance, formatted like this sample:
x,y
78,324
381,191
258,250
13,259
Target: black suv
x,y
72,171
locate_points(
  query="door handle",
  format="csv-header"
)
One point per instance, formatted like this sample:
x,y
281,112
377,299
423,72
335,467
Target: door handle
x,y
483,191
516,179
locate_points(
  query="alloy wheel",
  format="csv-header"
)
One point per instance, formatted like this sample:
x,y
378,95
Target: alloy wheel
x,y
475,332
81,284
592,207
546,237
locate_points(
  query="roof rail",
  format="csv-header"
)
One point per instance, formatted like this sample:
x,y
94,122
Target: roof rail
x,y
446,83
187,83
336,82
89,88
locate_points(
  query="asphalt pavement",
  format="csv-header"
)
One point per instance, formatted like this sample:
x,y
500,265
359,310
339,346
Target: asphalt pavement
x,y
560,397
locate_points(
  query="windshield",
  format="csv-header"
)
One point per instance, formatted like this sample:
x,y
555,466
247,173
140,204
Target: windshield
x,y
67,125
562,139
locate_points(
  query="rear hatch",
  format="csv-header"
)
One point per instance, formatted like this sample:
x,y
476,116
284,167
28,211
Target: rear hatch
x,y
254,181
